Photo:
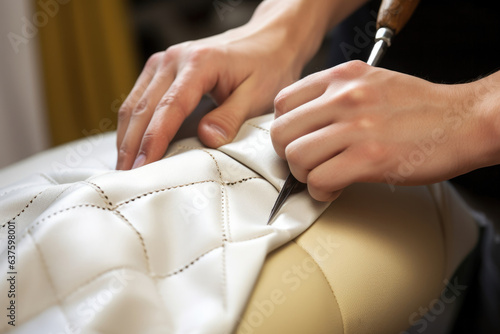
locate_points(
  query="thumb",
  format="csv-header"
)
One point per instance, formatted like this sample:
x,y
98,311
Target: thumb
x,y
221,125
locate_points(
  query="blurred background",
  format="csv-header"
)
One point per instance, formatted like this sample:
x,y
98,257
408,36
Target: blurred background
x,y
67,65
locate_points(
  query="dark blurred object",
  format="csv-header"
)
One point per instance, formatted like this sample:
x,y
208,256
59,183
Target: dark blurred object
x,y
162,23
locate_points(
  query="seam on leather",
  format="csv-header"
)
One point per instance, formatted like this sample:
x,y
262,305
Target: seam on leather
x,y
141,238
51,282
223,211
327,280
216,163
187,266
192,262
182,186
228,219
178,148
160,190
101,193
258,127
24,209
243,180
38,222
224,231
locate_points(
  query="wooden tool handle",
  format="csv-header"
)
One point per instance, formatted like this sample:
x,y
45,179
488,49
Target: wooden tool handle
x,y
394,14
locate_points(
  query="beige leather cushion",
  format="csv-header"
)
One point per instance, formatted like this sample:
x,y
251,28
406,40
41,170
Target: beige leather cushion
x,y
369,262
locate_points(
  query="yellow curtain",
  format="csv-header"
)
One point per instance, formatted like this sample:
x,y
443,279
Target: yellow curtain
x,y
89,63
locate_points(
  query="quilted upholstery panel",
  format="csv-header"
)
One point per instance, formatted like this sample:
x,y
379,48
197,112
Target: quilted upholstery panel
x,y
172,247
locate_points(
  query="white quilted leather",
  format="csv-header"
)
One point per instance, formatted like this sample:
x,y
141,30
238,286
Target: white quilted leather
x,y
172,247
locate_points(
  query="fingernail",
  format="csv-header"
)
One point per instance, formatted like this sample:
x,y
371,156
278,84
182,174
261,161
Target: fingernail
x,y
139,161
220,134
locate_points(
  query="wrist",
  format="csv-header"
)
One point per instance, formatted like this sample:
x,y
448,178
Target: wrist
x,y
486,106
302,23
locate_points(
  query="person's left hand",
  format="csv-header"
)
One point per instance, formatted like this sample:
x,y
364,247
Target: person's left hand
x,y
357,123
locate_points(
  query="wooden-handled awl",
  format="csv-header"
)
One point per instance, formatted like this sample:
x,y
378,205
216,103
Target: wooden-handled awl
x,y
392,17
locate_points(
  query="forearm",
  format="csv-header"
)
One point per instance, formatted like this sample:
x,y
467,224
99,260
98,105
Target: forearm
x,y
302,23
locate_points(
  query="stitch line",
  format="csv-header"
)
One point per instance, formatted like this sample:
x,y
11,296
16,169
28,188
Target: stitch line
x,y
216,163
187,266
181,186
24,209
141,238
243,180
327,280
38,222
101,193
258,127
161,190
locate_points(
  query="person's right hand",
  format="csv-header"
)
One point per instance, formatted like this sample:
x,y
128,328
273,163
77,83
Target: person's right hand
x,y
242,70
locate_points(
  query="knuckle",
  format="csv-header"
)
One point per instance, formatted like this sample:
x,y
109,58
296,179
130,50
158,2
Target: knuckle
x,y
170,54
200,54
125,151
355,66
293,155
147,141
153,61
173,104
124,112
364,123
280,103
347,70
316,182
277,138
374,151
153,139
140,108
356,95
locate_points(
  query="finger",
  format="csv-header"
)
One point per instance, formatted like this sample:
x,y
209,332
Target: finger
x,y
309,151
305,119
221,125
299,93
327,179
137,91
141,116
178,102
